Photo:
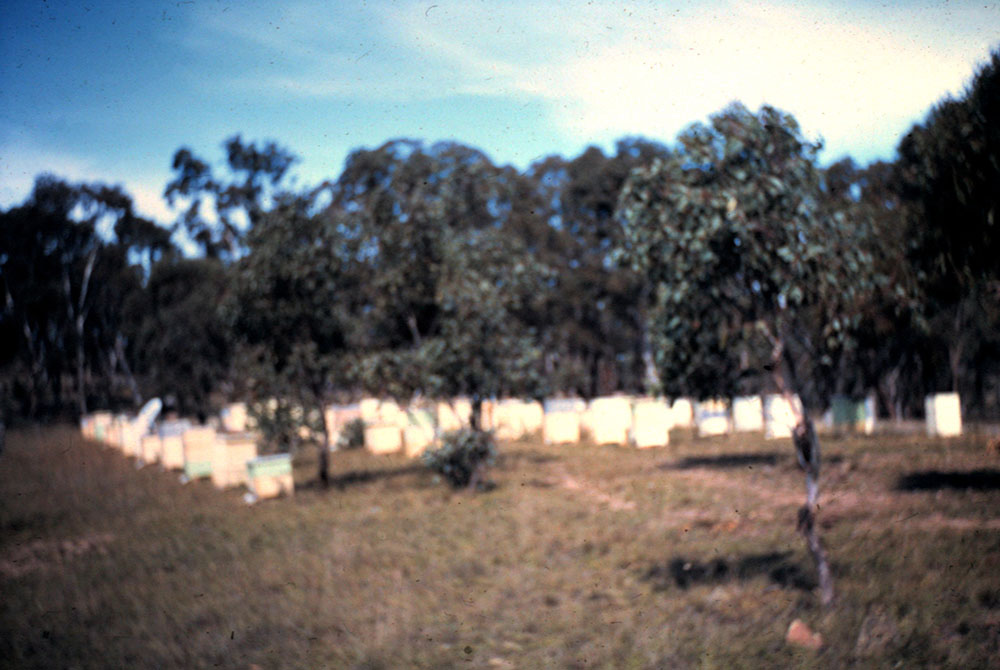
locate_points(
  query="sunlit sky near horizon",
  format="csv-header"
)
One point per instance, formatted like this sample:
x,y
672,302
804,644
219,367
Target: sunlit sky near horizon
x,y
109,91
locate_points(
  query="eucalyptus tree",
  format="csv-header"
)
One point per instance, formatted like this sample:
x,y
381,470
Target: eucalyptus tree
x,y
744,265
592,325
63,284
446,279
292,305
218,210
949,171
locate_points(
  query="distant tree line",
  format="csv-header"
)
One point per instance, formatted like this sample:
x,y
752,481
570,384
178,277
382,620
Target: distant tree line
x,y
696,268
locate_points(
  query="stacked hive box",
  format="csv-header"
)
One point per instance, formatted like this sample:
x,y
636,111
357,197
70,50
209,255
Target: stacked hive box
x,y
172,444
610,420
780,415
712,417
651,423
748,414
683,411
562,421
230,454
131,440
944,414
151,448
853,415
199,444
270,476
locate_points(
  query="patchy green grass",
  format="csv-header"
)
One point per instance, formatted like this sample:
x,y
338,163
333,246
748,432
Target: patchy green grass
x,y
579,557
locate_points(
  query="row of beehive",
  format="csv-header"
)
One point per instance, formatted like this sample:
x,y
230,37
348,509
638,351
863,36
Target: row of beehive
x,y
642,422
227,459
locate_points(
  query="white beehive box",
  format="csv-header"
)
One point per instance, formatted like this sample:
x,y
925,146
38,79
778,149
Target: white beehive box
x,y
383,438
748,414
944,414
652,420
562,421
712,417
610,420
780,415
230,454
683,411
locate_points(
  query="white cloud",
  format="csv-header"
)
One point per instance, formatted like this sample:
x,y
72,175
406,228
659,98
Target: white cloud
x,y
611,70
22,159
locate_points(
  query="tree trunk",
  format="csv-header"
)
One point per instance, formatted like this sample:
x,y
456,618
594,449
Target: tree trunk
x,y
476,417
808,453
324,451
807,450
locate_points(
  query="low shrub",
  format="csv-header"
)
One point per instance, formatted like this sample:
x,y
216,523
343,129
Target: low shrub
x,y
352,435
462,456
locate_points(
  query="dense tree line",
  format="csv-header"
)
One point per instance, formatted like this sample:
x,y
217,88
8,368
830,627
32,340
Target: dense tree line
x,y
722,263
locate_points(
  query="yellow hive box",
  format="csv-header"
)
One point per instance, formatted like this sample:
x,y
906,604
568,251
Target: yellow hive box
x,y
270,476
230,454
151,448
383,439
172,452
199,444
131,440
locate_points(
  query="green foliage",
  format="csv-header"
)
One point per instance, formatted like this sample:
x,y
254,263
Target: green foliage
x,y
352,435
742,257
444,284
462,456
178,341
279,422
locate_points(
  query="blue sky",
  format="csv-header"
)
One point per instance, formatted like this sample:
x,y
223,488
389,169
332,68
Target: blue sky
x,y
107,91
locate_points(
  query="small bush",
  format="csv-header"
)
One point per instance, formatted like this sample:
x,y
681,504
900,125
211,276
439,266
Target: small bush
x,y
352,436
462,456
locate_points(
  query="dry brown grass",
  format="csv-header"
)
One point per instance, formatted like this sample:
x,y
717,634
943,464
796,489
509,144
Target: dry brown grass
x,y
684,557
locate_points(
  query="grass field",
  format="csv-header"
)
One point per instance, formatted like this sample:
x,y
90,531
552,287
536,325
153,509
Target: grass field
x,y
578,557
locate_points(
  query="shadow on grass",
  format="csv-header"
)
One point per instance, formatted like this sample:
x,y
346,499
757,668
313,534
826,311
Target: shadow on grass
x,y
683,572
726,461
936,480
354,477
